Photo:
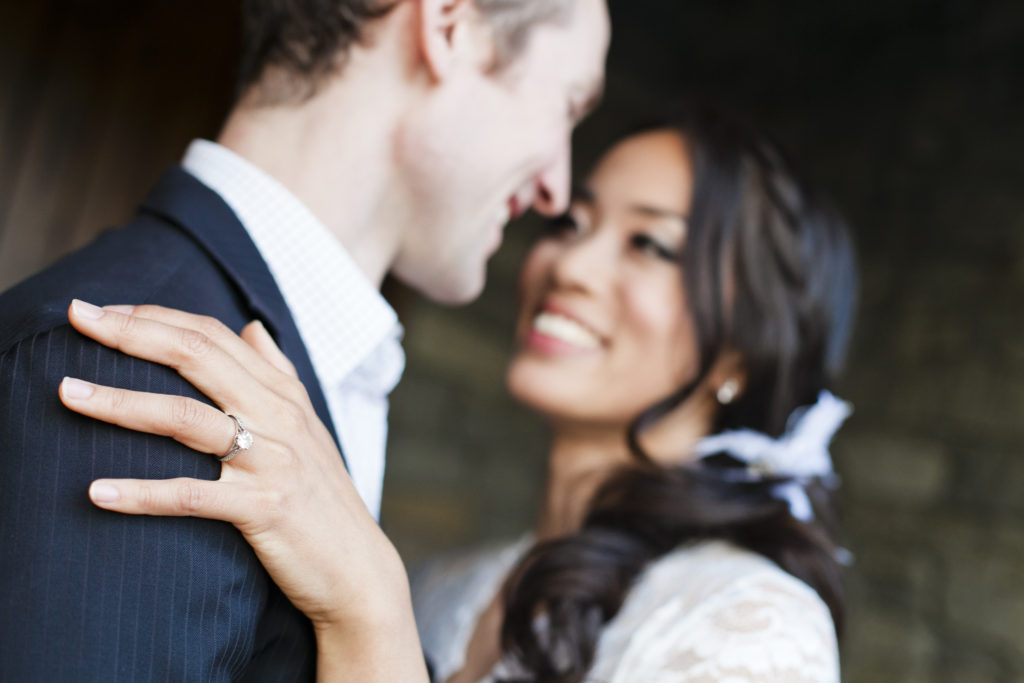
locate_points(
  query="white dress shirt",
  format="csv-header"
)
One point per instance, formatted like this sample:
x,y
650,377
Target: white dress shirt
x,y
351,333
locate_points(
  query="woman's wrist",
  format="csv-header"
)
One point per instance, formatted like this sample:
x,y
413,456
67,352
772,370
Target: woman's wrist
x,y
375,597
374,611
381,645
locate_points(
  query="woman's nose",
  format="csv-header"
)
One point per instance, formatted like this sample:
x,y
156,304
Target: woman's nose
x,y
586,263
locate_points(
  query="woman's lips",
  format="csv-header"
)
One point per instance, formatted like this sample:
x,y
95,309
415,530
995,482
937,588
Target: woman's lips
x,y
557,333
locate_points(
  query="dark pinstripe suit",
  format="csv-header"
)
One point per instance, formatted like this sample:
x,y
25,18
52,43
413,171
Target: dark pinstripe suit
x,y
90,595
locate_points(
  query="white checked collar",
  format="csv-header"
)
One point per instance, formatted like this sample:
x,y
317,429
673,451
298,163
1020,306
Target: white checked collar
x,y
342,318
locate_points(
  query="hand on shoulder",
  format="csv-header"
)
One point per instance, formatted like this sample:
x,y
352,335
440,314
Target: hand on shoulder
x,y
287,490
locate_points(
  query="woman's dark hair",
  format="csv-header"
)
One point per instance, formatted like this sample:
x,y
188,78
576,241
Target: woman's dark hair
x,y
769,271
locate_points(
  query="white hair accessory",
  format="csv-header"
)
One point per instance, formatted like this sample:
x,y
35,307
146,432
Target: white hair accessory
x,y
800,454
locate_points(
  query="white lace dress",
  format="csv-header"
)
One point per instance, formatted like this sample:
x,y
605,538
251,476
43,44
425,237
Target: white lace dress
x,y
705,613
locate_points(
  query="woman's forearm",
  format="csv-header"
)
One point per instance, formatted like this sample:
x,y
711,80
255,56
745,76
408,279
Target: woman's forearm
x,y
384,649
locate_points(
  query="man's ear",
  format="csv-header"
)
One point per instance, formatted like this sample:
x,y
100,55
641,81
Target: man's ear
x,y
448,34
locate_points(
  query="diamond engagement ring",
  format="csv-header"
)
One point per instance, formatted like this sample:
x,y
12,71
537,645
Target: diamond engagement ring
x,y
242,442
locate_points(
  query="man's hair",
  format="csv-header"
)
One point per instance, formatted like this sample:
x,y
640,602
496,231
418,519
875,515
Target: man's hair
x,y
304,41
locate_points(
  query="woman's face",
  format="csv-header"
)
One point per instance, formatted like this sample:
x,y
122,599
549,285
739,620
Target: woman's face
x,y
604,329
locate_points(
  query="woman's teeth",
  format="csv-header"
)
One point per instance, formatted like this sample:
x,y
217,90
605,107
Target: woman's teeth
x,y
566,330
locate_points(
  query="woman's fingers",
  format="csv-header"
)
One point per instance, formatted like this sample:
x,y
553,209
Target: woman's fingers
x,y
180,497
217,331
186,420
255,335
193,354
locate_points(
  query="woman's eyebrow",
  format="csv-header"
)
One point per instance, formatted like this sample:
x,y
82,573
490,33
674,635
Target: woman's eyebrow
x,y
583,194
656,212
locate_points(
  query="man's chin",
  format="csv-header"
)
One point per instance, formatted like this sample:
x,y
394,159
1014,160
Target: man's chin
x,y
452,288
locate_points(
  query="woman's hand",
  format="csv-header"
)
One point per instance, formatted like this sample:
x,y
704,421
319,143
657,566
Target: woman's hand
x,y
289,494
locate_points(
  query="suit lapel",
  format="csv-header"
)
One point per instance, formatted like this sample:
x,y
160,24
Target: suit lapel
x,y
201,213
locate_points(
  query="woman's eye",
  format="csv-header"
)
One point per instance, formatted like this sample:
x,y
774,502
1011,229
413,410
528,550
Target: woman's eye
x,y
649,246
565,224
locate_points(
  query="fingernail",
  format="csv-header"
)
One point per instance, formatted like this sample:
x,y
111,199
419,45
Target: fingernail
x,y
86,310
104,493
126,310
76,389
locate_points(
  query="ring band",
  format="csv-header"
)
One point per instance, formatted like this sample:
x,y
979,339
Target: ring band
x,y
243,440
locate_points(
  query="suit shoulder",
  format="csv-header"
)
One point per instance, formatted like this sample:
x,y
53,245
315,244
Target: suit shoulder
x,y
123,265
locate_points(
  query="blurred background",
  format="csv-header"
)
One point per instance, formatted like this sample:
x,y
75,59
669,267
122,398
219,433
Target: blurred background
x,y
910,113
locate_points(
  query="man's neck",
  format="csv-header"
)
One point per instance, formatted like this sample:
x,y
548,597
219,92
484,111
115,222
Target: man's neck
x,y
334,152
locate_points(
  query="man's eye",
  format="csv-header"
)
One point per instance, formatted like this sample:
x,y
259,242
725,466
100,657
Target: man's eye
x,y
649,246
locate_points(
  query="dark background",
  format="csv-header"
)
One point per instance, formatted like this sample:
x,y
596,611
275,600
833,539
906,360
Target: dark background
x,y
909,113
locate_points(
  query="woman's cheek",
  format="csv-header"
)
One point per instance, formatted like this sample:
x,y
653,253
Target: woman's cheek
x,y
531,275
662,332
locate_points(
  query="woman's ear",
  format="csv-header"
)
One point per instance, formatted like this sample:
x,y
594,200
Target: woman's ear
x,y
450,34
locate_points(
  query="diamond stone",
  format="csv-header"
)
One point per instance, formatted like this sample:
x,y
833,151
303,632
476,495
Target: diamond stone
x,y
243,441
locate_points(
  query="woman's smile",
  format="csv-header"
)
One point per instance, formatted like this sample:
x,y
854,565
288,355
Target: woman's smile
x,y
556,329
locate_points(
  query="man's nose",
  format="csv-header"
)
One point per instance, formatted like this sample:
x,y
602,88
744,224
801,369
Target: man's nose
x,y
552,196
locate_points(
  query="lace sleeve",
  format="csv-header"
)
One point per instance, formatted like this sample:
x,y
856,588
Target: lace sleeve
x,y
768,629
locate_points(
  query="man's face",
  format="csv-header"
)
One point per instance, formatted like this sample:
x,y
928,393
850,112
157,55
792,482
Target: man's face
x,y
487,144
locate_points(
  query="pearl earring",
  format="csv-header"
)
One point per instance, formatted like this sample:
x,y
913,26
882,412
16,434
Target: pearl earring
x,y
727,392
